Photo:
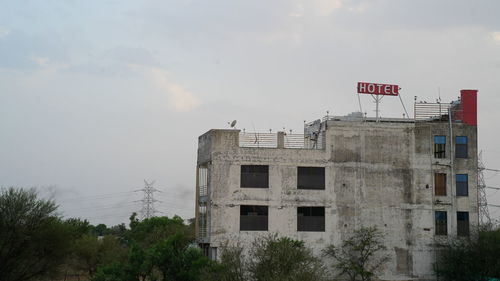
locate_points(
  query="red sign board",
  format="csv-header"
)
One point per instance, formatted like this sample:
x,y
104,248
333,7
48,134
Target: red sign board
x,y
378,89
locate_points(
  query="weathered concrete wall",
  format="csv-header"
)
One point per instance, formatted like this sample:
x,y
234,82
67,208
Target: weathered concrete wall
x,y
377,174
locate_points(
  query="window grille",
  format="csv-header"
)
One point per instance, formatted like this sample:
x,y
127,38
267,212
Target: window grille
x,y
462,182
441,223
463,223
461,147
439,146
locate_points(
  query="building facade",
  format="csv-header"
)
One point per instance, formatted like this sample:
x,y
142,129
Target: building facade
x,y
413,179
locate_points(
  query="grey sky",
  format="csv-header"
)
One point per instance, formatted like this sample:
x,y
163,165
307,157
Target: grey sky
x,y
96,96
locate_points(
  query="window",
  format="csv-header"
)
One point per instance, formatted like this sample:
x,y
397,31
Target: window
x,y
462,181
440,184
441,223
311,177
253,217
461,147
311,219
463,223
439,146
255,176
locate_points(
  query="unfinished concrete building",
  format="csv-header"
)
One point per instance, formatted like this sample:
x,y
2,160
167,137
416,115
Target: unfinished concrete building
x,y
414,179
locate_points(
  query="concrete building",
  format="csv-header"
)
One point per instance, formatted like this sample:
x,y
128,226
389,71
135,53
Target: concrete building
x,y
414,179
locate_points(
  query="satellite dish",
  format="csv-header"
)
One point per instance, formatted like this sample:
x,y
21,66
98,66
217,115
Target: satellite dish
x,y
233,123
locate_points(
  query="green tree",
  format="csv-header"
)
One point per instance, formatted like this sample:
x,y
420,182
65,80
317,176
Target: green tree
x,y
100,230
90,252
231,267
360,256
177,260
283,259
33,239
159,248
152,230
474,258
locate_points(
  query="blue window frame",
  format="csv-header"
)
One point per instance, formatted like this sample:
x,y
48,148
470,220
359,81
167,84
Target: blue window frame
x,y
440,139
461,147
441,220
463,223
439,146
462,183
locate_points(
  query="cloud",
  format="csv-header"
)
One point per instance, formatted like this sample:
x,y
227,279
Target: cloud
x,y
180,98
326,7
496,36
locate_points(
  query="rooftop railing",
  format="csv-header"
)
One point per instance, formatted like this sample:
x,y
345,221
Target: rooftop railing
x,y
280,140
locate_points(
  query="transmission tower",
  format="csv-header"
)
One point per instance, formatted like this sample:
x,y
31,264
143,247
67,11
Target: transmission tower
x,y
484,214
148,210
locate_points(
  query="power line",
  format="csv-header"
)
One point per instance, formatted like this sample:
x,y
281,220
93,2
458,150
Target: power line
x,y
97,197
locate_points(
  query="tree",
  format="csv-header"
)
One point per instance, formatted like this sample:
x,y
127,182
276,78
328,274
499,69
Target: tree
x,y
159,248
230,268
474,258
33,239
177,260
152,230
90,252
280,259
359,257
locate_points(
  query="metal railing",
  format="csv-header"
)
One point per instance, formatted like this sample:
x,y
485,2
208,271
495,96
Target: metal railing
x,y
203,181
203,221
424,110
271,140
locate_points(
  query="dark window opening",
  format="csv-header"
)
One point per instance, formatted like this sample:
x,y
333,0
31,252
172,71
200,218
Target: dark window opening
x,y
461,147
311,219
440,184
255,176
311,177
463,223
253,218
441,223
439,146
462,182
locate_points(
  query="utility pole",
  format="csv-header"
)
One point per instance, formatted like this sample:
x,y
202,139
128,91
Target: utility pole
x,y
148,210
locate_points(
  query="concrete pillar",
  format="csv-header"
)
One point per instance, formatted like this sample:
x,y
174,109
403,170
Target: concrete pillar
x,y
281,139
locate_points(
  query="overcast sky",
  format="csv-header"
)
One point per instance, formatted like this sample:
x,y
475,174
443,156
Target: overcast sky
x,y
96,96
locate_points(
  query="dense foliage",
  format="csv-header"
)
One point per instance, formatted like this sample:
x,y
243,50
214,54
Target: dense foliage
x,y
37,244
475,258
33,239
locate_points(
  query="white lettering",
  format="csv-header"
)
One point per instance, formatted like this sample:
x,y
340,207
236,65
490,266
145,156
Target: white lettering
x,y
361,87
395,90
371,88
379,90
387,89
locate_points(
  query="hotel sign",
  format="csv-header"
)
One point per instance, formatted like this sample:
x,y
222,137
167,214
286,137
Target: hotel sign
x,y
378,89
